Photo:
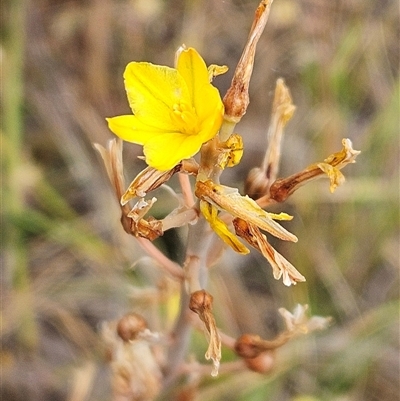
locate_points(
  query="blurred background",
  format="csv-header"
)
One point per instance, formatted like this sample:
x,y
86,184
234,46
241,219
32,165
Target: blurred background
x,y
67,264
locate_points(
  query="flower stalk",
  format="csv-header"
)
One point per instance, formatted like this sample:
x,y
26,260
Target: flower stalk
x,y
178,113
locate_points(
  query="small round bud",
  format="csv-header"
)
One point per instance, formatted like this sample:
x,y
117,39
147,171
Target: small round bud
x,y
200,300
262,363
130,325
247,346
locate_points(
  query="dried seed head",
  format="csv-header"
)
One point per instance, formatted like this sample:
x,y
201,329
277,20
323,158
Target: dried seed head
x,y
130,325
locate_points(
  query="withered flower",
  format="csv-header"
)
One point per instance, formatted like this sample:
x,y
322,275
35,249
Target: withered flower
x,y
146,181
281,189
260,178
136,373
280,266
228,199
251,345
201,304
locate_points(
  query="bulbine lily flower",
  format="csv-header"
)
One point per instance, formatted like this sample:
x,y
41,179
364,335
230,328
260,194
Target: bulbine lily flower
x,y
175,110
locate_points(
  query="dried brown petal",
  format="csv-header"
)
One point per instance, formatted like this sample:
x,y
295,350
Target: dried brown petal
x,y
112,158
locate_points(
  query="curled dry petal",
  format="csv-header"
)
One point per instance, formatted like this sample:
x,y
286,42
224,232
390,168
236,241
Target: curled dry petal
x,y
140,209
299,322
214,70
343,157
243,207
146,181
231,151
112,158
201,304
280,266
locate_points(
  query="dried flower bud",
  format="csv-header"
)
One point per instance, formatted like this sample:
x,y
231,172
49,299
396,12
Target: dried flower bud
x,y
236,99
262,363
248,346
130,325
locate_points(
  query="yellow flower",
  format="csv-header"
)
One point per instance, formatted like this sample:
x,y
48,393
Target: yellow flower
x,y
175,110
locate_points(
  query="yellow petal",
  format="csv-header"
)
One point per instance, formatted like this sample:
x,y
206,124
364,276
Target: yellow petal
x,y
165,151
205,97
153,91
194,71
130,129
220,228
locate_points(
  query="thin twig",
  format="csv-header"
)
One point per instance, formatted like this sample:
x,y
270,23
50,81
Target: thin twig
x,y
167,264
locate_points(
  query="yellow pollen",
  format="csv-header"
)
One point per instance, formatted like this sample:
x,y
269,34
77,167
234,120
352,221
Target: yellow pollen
x,y
184,116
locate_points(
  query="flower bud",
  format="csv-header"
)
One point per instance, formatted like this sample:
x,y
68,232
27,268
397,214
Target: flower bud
x,y
130,325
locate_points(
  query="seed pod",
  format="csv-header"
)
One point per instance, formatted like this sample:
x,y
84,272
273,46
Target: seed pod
x,y
247,346
263,363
